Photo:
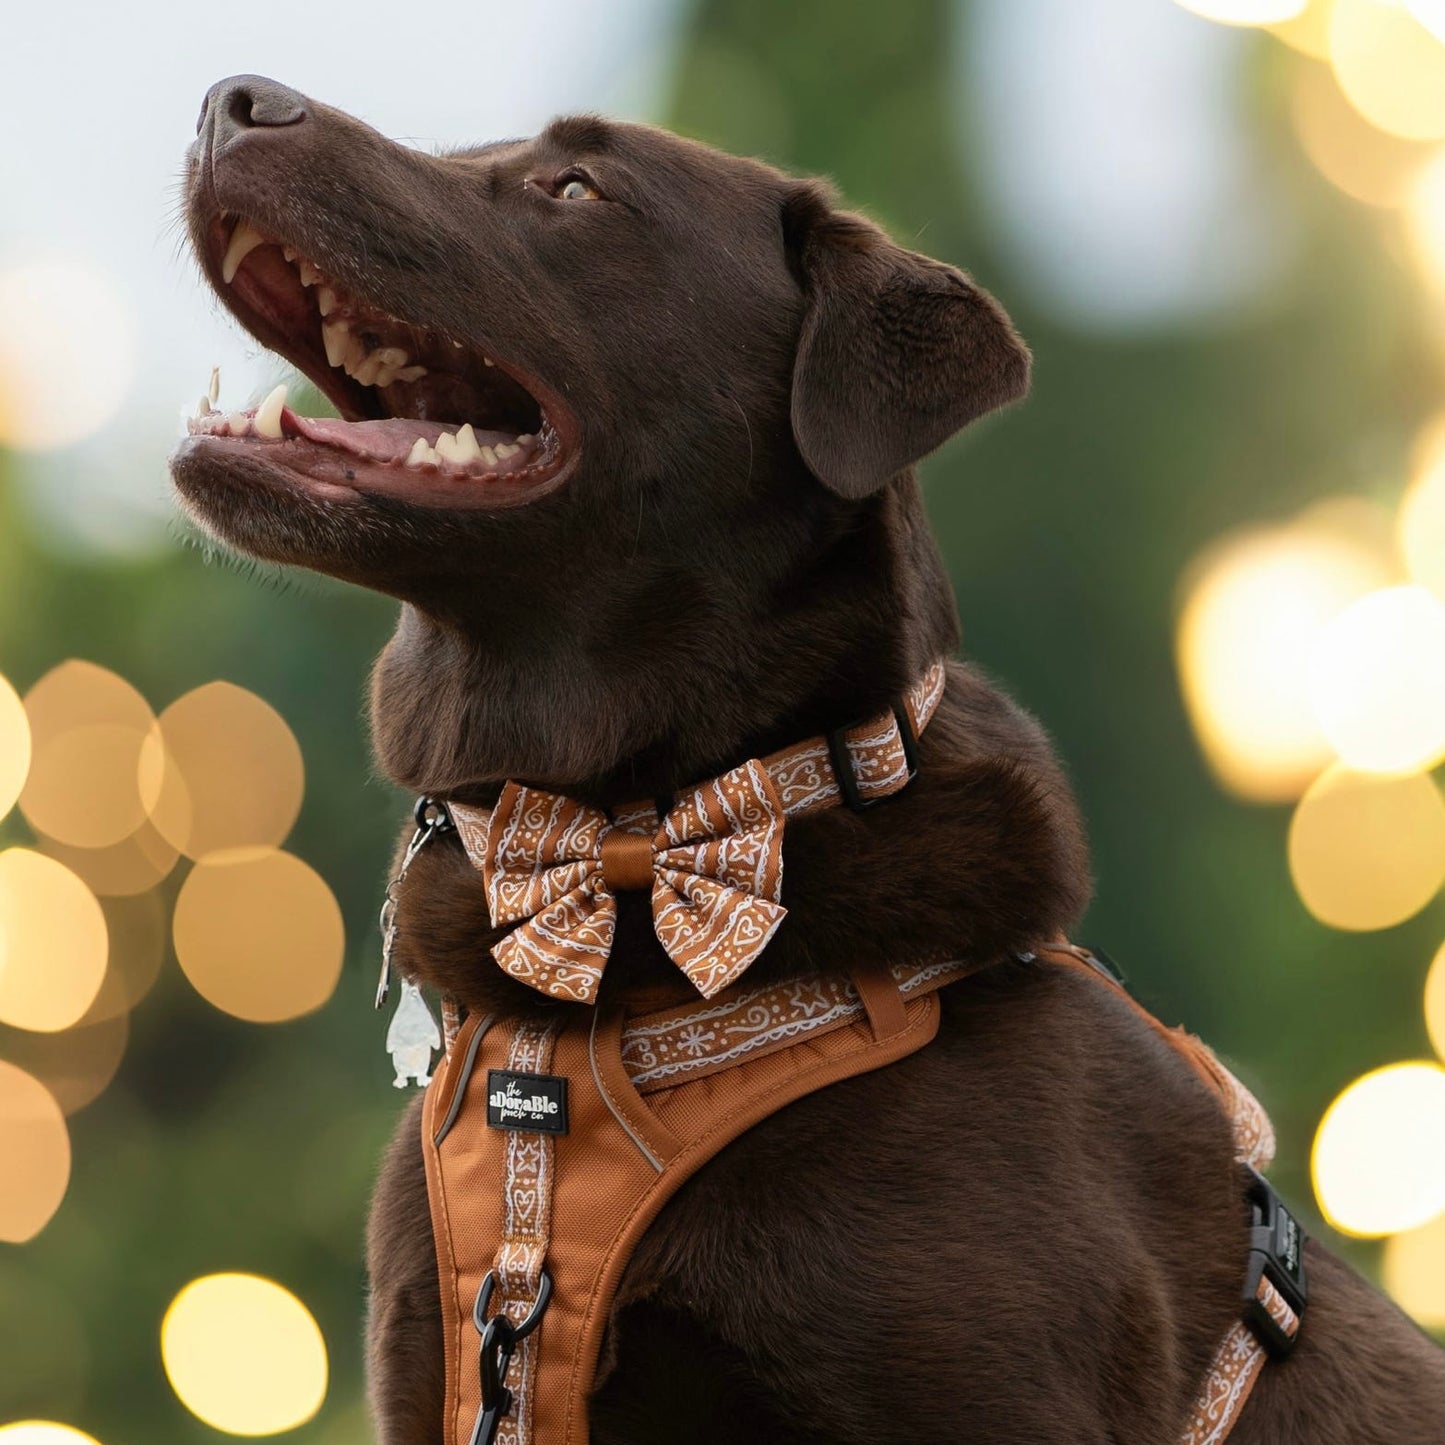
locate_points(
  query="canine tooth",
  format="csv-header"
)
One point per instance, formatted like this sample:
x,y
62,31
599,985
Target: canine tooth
x,y
325,300
468,448
213,392
335,337
420,453
244,239
238,423
268,414
411,373
310,274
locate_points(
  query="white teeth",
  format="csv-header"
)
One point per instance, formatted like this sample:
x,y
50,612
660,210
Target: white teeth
x,y
489,457
238,423
213,392
391,356
244,239
468,449
325,300
420,454
310,274
526,439
447,448
336,338
268,414
507,449
289,252
487,361
411,373
203,408
367,372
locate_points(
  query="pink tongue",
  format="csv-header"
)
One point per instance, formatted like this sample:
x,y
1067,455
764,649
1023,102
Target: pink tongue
x,y
379,441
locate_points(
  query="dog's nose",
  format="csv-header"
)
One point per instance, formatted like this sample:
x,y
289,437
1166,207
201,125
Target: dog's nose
x,y
248,102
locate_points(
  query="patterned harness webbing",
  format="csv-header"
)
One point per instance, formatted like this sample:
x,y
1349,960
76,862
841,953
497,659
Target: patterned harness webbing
x,y
651,1099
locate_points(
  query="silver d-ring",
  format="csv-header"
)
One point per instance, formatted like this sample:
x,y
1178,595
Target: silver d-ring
x,y
534,1318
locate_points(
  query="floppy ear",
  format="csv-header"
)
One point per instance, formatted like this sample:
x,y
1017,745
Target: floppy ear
x,y
896,352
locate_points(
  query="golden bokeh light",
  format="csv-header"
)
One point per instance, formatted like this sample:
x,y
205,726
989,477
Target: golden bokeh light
x,y
88,730
1377,1163
1413,1271
1309,31
244,1355
229,774
1430,14
35,1145
1245,12
1420,526
14,746
1355,157
259,935
134,865
1435,1002
1377,681
1367,851
1425,221
67,354
53,943
1254,606
1391,67
43,1432
77,1065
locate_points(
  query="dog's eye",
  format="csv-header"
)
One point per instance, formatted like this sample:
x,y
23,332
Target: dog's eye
x,y
574,188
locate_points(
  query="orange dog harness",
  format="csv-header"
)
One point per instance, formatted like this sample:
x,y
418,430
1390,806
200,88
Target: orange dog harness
x,y
551,1147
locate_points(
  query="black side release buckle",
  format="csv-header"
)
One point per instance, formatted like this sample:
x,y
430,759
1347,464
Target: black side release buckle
x,y
1276,1253
841,757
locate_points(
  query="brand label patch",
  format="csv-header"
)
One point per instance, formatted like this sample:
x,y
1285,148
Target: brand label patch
x,y
534,1102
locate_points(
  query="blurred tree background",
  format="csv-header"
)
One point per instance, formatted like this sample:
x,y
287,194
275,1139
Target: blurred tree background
x,y
1071,527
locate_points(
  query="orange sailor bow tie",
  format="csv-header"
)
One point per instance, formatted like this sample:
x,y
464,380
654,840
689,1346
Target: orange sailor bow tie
x,y
713,862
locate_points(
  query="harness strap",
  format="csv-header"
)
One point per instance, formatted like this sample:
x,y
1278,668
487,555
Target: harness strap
x,y
592,1129
575,1204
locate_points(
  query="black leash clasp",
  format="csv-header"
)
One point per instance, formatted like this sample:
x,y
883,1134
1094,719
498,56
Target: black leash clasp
x,y
500,1338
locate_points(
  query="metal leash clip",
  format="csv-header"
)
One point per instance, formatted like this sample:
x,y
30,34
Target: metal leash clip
x,y
500,1338
432,819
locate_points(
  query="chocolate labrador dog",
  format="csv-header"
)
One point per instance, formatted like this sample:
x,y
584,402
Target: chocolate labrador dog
x,y
628,427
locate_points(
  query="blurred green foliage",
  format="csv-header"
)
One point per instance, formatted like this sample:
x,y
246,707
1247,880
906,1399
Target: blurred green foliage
x,y
1066,525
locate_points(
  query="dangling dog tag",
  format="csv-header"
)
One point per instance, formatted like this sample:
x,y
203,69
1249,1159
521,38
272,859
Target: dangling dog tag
x,y
412,1037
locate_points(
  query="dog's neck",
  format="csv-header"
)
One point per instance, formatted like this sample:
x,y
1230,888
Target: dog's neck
x,y
645,684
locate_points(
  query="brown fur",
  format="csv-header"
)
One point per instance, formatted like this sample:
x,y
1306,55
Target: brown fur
x,y
1033,1230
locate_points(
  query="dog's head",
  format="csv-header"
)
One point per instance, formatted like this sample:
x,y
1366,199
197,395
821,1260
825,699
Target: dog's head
x,y
605,391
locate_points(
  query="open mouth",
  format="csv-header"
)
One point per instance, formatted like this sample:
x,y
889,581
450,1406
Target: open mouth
x,y
423,415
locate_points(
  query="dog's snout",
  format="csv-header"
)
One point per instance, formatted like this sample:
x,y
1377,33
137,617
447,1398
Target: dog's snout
x,y
249,102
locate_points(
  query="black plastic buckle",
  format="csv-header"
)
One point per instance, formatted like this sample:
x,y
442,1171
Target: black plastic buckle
x,y
500,1338
842,759
1276,1253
